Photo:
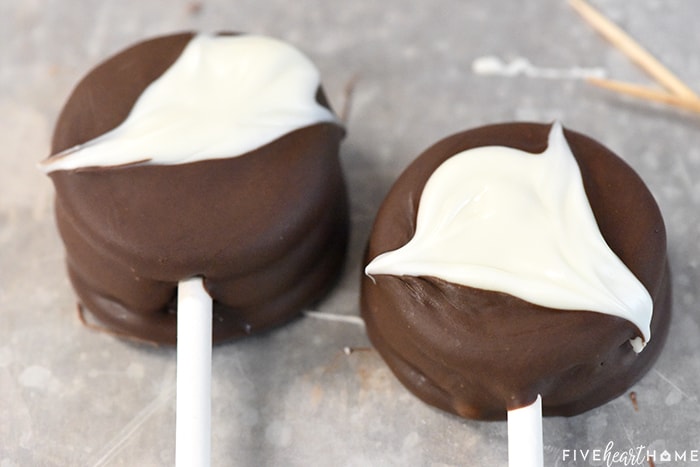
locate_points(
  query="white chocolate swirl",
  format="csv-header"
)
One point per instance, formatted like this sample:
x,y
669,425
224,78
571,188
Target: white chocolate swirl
x,y
224,96
506,220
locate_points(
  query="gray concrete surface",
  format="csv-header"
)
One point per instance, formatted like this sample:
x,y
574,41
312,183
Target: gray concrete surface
x,y
73,397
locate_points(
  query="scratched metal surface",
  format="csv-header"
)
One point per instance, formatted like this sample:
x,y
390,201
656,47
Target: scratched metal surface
x,y
70,396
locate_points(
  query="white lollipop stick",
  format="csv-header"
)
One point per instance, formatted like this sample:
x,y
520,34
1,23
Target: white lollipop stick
x,y
525,436
193,417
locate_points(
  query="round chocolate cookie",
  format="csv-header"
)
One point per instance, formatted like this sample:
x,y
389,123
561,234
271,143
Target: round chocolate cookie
x,y
478,352
266,228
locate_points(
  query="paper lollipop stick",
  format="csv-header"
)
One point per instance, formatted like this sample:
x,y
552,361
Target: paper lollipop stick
x,y
525,436
194,342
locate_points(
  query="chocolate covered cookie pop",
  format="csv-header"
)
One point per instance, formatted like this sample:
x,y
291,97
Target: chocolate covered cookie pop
x,y
200,155
514,260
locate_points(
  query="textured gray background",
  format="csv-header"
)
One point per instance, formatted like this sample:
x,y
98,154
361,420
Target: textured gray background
x,y
70,396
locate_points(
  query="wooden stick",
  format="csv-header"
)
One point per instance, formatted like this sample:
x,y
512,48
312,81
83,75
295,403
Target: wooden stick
x,y
348,93
645,92
633,50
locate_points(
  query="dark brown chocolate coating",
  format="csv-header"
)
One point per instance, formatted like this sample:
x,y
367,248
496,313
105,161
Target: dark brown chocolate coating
x,y
267,229
477,353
